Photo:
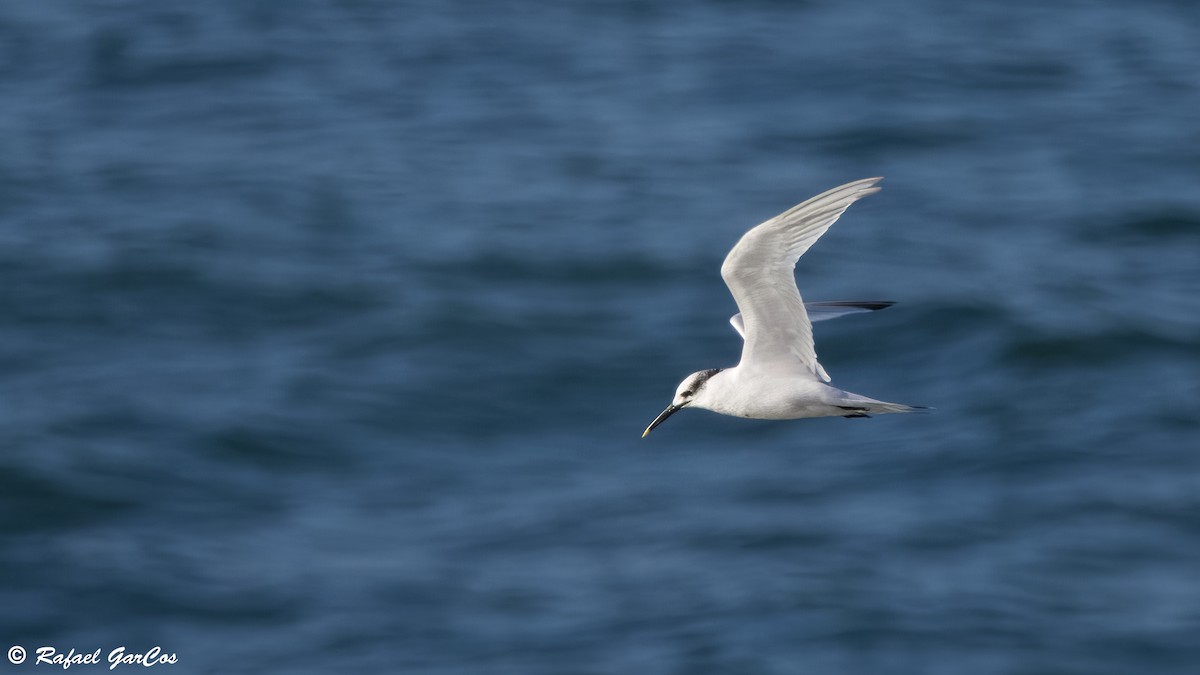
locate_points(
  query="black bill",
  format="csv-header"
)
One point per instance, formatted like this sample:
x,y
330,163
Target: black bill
x,y
662,417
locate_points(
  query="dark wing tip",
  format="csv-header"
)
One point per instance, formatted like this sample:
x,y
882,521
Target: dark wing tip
x,y
870,305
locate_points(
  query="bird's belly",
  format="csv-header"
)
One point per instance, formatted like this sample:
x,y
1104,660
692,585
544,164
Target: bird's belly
x,y
790,413
785,401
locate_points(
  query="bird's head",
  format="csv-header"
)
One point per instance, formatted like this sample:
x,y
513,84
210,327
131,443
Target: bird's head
x,y
689,392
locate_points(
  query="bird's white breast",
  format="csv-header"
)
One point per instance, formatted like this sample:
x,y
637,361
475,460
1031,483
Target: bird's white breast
x,y
764,396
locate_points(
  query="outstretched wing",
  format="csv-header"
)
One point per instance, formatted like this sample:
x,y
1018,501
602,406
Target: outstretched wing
x,y
759,272
823,311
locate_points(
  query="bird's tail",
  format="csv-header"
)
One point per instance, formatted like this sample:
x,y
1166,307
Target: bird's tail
x,y
861,406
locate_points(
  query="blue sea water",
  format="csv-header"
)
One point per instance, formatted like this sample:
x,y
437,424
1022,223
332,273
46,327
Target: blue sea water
x,y
328,331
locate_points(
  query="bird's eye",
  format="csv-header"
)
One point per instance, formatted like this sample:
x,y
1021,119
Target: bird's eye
x,y
686,394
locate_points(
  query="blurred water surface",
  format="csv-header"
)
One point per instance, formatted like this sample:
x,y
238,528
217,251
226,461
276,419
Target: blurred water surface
x,y
329,330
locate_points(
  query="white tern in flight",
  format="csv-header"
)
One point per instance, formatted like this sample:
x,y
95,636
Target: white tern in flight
x,y
778,377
